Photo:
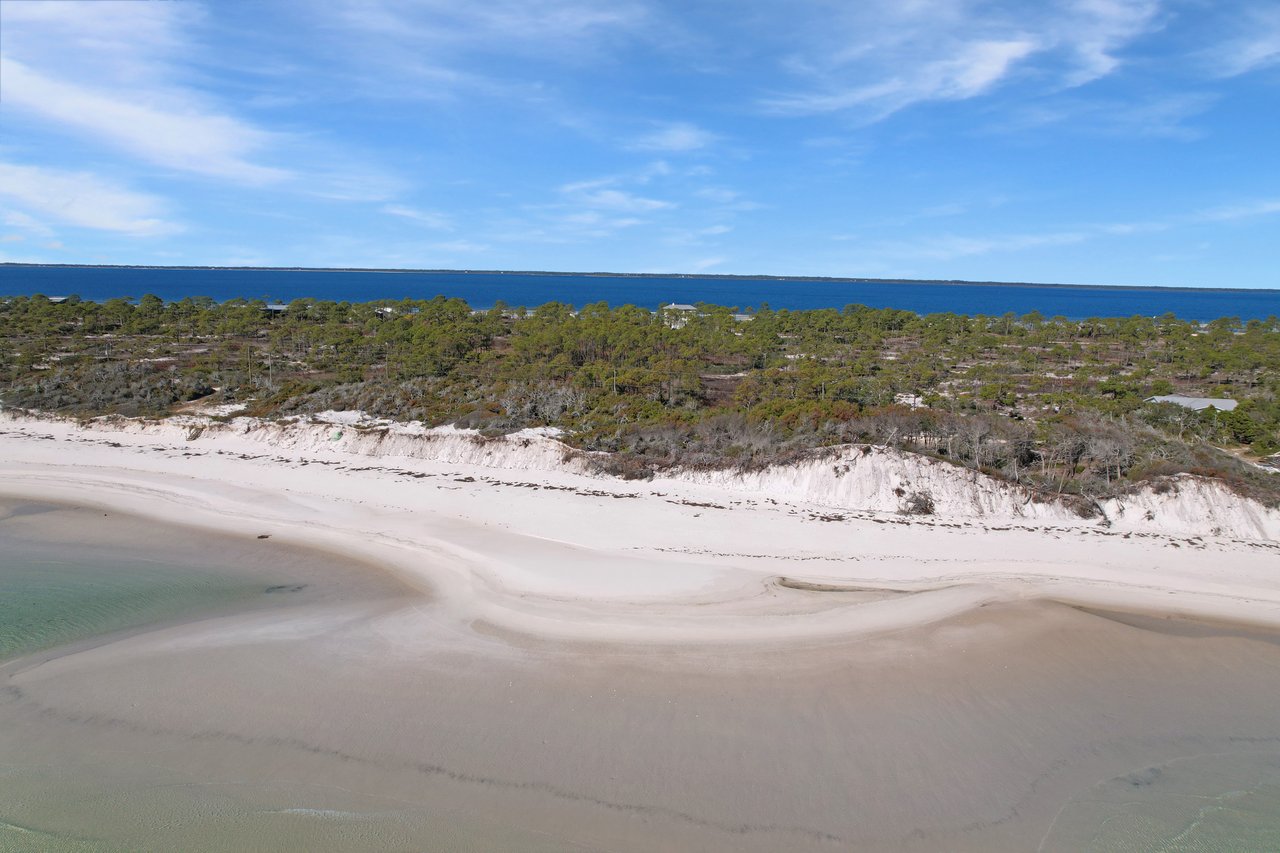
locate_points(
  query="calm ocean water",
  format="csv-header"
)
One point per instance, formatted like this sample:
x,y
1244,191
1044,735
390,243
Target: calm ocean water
x,y
481,290
54,596
49,601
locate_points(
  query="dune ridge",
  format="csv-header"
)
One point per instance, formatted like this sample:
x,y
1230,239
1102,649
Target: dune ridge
x,y
860,478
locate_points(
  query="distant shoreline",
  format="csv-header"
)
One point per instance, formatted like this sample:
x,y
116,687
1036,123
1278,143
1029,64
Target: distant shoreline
x,y
624,275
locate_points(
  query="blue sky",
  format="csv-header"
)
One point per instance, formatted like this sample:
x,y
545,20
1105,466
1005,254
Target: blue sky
x,y
1092,141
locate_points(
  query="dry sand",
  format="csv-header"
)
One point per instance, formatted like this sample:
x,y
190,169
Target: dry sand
x,y
579,664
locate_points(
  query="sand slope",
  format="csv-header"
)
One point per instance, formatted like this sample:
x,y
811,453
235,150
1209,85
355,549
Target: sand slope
x,y
511,534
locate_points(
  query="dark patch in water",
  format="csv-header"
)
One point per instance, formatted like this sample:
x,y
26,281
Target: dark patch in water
x,y
29,509
1144,778
286,587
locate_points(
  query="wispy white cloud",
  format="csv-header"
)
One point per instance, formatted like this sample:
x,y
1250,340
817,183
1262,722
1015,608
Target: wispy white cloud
x,y
137,79
113,41
726,200
593,219
1125,229
703,264
949,247
565,227
589,185
543,26
877,58
1247,210
1096,30
676,236
978,67
974,69
458,247
951,208
621,200
119,73
176,133
605,193
591,209
720,195
675,137
444,51
425,218
911,218
27,223
1241,210
84,199
1254,44
644,175
1167,116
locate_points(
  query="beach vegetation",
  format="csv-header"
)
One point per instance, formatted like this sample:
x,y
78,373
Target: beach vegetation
x,y
1060,406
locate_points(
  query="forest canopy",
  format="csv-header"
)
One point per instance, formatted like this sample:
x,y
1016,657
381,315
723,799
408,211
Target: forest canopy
x,y
1058,405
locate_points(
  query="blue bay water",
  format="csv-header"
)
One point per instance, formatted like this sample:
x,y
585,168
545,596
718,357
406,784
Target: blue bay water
x,y
484,289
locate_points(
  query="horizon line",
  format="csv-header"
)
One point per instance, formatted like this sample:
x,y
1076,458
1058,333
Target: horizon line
x,y
605,274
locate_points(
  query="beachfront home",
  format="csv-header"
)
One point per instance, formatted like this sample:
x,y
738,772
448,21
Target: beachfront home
x,y
1199,404
678,313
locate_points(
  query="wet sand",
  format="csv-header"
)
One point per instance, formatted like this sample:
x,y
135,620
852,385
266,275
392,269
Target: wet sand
x,y
368,719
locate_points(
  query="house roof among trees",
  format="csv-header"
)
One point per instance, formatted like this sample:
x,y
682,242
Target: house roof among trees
x,y
1222,404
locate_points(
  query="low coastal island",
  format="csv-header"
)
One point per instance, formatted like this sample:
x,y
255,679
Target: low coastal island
x,y
615,580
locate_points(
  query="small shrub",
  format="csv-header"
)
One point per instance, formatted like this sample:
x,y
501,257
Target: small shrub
x,y
918,503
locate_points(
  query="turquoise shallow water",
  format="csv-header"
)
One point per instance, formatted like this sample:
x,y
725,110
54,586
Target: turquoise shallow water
x,y
69,574
48,602
1220,803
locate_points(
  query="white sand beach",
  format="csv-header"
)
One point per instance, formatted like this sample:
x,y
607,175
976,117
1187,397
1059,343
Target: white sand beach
x,y
574,662
514,540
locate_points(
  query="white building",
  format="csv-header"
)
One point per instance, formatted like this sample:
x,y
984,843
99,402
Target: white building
x,y
678,313
1222,404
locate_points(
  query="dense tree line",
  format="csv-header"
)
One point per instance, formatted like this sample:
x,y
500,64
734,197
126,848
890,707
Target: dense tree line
x,y
1059,405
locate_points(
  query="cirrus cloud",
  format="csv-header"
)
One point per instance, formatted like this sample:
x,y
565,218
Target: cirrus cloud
x,y
173,132
675,137
878,58
84,199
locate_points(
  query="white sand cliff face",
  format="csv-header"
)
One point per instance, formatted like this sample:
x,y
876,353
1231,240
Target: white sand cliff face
x,y
858,478
354,434
878,479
